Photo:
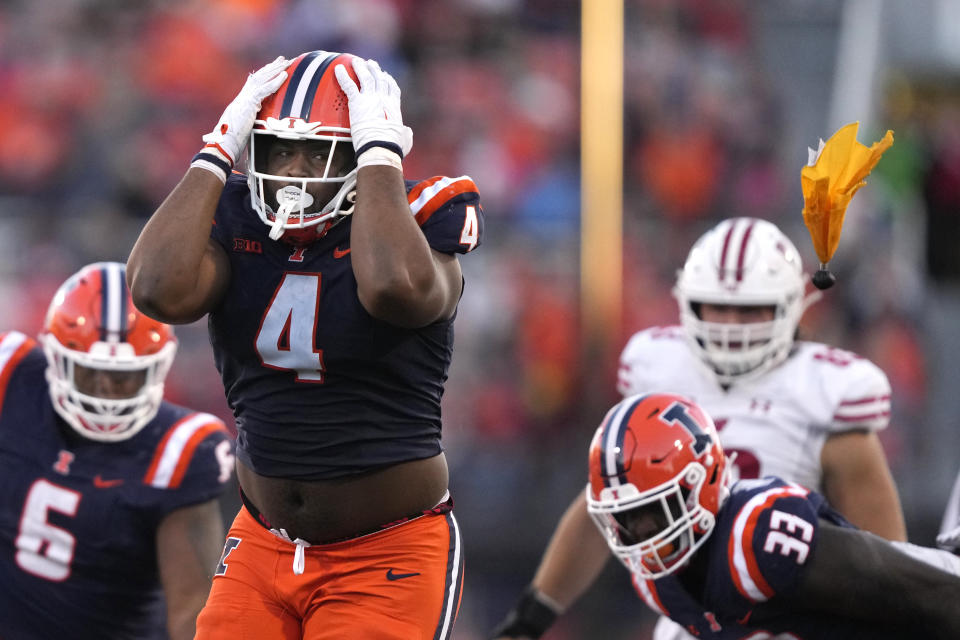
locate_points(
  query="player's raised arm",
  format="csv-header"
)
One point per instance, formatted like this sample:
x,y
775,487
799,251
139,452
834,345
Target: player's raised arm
x,y
175,272
400,279
858,483
854,574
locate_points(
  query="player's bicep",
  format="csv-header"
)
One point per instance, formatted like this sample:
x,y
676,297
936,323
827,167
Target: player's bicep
x,y
858,483
836,568
213,278
189,541
209,284
193,295
856,575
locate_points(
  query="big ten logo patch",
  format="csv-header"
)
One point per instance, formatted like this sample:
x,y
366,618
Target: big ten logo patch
x,y
243,245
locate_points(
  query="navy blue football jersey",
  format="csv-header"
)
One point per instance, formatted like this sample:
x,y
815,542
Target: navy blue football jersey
x,y
746,572
319,388
79,518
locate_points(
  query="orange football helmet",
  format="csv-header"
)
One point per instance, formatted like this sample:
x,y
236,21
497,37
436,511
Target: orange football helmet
x,y
658,477
309,105
92,329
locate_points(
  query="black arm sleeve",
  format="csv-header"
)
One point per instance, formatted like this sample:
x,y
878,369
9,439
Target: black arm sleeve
x,y
856,575
530,618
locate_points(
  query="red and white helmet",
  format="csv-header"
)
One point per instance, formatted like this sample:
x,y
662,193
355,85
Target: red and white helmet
x,y
92,323
657,468
750,262
309,105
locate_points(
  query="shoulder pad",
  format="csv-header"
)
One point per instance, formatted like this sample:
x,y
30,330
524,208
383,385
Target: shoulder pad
x,y
14,346
858,390
448,211
771,535
645,353
175,452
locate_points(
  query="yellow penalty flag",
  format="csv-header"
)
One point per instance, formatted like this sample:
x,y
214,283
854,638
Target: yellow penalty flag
x,y
834,172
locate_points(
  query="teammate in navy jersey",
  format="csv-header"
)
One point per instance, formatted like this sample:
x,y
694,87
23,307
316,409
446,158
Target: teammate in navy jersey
x,y
760,558
756,559
109,524
331,285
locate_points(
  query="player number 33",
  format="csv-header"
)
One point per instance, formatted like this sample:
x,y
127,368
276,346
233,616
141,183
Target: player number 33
x,y
789,534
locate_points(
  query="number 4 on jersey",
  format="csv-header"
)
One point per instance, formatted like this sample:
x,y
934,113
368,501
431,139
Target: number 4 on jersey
x,y
287,336
471,229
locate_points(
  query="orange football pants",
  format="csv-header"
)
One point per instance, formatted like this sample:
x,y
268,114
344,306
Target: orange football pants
x,y
402,583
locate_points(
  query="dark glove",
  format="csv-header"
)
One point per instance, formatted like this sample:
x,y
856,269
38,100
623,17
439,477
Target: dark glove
x,y
530,618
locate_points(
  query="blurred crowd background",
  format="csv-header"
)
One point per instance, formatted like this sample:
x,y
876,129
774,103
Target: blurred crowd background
x,y
103,102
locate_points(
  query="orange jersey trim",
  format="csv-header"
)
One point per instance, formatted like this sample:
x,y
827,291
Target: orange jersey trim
x,y
174,453
14,346
428,196
648,592
740,553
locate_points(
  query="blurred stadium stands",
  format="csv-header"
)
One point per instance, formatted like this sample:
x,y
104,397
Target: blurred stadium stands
x,y
103,102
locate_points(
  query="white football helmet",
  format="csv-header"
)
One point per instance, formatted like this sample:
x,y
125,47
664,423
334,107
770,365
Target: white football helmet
x,y
749,262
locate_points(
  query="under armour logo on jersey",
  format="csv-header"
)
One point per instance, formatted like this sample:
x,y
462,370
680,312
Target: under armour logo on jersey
x,y
228,548
243,245
62,465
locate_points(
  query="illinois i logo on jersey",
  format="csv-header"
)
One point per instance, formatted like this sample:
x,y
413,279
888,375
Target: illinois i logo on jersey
x,y
64,459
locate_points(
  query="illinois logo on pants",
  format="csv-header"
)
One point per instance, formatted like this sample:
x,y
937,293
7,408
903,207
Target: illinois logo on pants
x,y
401,583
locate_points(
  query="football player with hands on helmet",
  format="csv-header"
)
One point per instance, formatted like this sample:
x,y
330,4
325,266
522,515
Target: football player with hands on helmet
x,y
803,411
331,284
109,525
756,558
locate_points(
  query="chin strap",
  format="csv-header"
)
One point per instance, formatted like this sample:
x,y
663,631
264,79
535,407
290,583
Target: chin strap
x,y
279,222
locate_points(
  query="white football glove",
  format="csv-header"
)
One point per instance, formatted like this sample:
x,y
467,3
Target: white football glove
x,y
228,138
950,539
375,119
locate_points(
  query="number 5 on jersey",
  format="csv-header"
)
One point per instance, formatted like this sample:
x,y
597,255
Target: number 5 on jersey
x,y
287,336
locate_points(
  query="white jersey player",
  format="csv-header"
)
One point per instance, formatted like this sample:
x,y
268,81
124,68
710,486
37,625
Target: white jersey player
x,y
777,423
803,411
